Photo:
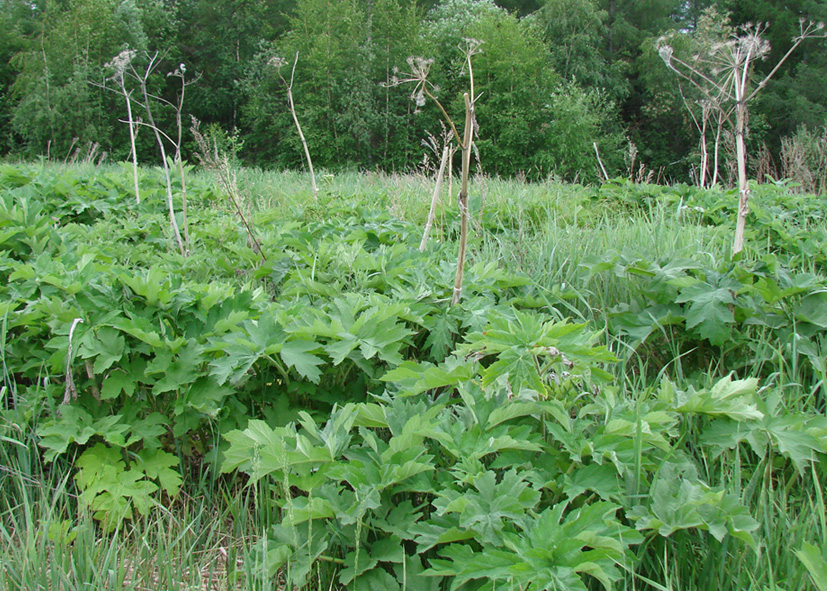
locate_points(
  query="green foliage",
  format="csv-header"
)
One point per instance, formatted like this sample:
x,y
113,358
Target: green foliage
x,y
57,109
347,52
753,313
574,31
477,483
390,440
816,565
112,490
531,121
532,125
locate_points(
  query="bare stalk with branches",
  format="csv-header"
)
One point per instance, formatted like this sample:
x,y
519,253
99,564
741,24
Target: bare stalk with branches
x,y
143,78
123,65
423,89
119,65
278,63
180,72
722,75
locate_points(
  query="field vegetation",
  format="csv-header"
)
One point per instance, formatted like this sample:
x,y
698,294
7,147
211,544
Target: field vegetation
x,y
615,402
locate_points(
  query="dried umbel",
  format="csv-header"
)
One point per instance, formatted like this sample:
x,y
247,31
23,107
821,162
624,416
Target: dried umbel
x,y
665,52
420,68
120,63
472,46
178,72
276,62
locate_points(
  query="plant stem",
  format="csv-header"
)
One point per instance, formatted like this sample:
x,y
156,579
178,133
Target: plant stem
x,y
445,115
299,128
132,141
463,200
743,184
180,163
600,162
164,162
435,198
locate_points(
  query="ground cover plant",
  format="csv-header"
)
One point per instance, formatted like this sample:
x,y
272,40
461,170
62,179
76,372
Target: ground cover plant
x,y
614,403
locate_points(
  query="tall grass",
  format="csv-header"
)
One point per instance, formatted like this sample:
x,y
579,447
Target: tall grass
x,y
48,540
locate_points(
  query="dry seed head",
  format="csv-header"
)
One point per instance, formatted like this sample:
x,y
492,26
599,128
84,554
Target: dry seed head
x,y
179,71
276,62
752,43
472,46
120,62
665,52
420,67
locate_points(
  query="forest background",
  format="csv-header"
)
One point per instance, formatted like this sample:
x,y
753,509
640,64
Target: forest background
x,y
553,77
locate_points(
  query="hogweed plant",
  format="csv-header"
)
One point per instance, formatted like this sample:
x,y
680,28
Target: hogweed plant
x,y
424,89
180,72
723,76
118,66
124,64
142,79
277,63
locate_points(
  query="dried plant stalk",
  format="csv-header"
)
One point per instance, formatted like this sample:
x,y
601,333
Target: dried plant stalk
x,y
70,392
278,62
142,79
728,88
119,65
422,89
435,198
211,159
463,199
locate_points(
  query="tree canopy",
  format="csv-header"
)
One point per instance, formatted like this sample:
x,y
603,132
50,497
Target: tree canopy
x,y
553,78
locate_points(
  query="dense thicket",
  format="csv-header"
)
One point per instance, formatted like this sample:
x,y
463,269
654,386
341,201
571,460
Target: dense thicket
x,y
554,77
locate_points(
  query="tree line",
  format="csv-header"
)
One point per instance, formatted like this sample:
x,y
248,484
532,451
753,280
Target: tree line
x,y
557,81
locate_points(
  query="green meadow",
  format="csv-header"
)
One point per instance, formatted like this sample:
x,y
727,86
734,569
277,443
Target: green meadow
x,y
616,402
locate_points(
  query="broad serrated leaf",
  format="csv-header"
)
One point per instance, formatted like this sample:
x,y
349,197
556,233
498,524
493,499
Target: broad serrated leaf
x,y
257,450
438,530
602,479
377,578
414,378
709,310
356,563
299,355
105,345
158,465
117,382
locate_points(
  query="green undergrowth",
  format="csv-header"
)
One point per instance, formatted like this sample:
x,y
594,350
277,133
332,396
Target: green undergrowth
x,y
616,403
